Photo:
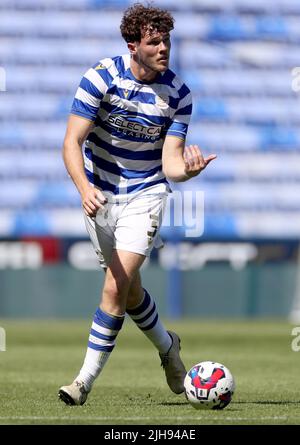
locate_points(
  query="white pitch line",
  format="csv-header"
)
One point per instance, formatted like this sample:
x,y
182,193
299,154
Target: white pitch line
x,y
145,418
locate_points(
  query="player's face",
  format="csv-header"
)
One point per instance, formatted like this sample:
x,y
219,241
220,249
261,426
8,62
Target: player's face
x,y
153,51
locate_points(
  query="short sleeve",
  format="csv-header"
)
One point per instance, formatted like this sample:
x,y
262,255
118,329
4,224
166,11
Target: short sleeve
x,y
180,121
91,90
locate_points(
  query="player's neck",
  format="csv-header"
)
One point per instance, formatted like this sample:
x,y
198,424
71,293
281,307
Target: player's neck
x,y
142,73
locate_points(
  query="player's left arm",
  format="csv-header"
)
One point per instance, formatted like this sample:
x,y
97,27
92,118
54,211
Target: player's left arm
x,y
181,162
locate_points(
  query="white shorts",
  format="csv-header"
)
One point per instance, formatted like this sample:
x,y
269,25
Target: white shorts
x,y
128,223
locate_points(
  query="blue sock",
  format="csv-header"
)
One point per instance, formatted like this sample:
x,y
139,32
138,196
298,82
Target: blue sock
x,y
146,317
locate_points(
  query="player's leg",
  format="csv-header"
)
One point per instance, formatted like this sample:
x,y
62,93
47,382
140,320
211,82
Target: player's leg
x,y
107,322
102,237
142,309
138,230
110,315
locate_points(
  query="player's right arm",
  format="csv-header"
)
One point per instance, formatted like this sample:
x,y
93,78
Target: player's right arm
x,y
77,130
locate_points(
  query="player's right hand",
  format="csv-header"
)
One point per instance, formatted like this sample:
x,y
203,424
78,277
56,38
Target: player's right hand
x,y
92,201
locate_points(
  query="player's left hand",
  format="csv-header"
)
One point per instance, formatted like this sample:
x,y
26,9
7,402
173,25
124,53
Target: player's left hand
x,y
194,161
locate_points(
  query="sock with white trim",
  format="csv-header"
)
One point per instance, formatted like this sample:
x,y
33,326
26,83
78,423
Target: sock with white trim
x,y
104,331
146,317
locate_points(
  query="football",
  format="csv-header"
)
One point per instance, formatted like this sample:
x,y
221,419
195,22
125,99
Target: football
x,y
209,385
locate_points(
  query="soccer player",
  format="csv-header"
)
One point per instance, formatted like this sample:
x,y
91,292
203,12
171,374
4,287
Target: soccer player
x,y
131,112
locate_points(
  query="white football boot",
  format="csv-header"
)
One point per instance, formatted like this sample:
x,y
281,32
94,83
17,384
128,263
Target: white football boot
x,y
174,368
74,394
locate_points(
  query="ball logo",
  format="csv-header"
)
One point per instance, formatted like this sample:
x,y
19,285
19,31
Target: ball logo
x,y
205,385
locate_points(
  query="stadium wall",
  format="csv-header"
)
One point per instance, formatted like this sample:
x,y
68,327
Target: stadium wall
x,y
217,290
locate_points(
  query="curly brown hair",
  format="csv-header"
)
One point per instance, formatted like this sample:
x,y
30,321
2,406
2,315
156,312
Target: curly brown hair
x,y
138,18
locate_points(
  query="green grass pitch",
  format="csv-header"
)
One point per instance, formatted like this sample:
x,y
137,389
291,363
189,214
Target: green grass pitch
x,y
41,356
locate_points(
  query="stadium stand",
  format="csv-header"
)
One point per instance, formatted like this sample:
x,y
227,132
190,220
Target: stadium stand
x,y
236,56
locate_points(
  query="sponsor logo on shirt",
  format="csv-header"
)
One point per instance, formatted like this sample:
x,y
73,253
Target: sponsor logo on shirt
x,y
133,128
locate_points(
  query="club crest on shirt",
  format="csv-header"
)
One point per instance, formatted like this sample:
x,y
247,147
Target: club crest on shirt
x,y
162,100
100,67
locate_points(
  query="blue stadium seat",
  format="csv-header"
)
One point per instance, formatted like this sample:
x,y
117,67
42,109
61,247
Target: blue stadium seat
x,y
239,82
53,194
228,27
41,135
224,137
78,52
195,54
35,165
279,138
23,194
220,225
34,107
210,108
38,80
30,222
263,110
198,25
109,3
60,24
271,27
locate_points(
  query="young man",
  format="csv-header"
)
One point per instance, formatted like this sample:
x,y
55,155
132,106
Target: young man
x,y
132,112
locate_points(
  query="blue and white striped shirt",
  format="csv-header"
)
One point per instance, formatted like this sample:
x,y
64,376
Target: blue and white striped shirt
x,y
123,152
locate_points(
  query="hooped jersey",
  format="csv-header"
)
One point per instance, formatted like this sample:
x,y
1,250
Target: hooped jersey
x,y
123,152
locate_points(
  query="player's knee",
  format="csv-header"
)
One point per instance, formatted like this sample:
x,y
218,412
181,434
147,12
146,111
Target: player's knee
x,y
117,287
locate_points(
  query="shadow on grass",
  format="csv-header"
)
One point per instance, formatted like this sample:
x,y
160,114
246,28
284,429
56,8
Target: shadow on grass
x,y
269,402
173,403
